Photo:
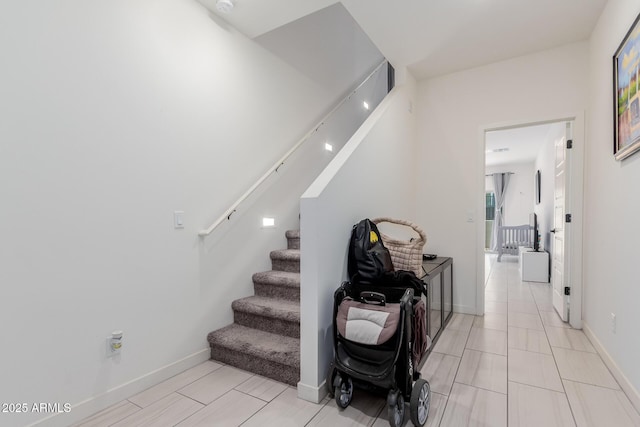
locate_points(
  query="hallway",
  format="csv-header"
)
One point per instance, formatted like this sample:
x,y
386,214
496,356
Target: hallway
x,y
520,365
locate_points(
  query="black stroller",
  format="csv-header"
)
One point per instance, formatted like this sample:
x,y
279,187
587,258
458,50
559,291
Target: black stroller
x,y
379,338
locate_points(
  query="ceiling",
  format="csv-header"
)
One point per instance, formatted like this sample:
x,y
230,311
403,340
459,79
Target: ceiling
x,y
256,17
523,143
435,37
321,46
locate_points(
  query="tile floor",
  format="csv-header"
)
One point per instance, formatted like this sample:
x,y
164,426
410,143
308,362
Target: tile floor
x,y
519,365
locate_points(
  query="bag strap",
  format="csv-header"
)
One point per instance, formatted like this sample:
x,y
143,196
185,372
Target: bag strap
x,y
416,228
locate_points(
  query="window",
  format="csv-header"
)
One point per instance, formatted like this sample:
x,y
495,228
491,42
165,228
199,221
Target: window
x,y
490,209
490,206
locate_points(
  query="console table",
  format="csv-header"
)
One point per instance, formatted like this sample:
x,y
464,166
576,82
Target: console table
x,y
438,275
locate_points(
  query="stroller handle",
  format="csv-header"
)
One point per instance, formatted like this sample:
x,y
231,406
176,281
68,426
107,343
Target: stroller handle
x,y
374,298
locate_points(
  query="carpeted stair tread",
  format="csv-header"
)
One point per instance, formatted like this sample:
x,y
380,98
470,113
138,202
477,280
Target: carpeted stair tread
x,y
293,239
292,234
278,278
286,260
258,344
286,254
269,307
277,284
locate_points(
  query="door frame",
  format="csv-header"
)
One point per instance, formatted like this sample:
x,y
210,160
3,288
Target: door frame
x,y
576,207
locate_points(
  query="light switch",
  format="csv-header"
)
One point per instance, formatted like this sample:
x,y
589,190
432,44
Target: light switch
x,y
178,219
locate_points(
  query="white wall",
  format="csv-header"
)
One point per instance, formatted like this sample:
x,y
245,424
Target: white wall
x,y
328,46
545,163
454,111
519,199
612,204
372,176
115,114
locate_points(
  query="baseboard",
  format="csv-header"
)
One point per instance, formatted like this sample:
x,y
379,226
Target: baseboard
x,y
86,408
464,309
311,393
626,385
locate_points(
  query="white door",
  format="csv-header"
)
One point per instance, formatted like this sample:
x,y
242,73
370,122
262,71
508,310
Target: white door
x,y
561,259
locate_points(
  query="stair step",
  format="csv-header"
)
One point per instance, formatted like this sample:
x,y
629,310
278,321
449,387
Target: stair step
x,y
268,314
286,260
270,355
277,284
293,239
265,336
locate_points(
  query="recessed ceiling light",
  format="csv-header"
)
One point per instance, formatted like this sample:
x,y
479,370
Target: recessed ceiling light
x,y
224,6
365,105
328,146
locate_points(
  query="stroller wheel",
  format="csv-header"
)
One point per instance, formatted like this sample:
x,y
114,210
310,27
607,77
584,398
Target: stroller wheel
x,y
395,408
331,375
344,393
420,402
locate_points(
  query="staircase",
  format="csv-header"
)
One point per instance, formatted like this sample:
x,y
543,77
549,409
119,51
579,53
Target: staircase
x,y
265,335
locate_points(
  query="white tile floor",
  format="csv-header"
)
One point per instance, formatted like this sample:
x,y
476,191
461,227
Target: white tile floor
x,y
519,365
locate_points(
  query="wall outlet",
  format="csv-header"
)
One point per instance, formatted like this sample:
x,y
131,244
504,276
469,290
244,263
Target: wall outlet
x,y
613,323
111,352
114,344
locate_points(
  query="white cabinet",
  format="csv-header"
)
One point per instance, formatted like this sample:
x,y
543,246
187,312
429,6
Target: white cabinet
x,y
534,266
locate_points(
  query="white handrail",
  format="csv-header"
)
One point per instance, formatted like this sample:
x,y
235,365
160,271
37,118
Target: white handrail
x,y
227,214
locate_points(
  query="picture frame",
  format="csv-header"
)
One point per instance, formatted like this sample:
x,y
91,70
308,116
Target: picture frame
x,y
538,182
626,94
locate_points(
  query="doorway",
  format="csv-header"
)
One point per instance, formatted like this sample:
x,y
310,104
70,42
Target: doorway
x,y
502,154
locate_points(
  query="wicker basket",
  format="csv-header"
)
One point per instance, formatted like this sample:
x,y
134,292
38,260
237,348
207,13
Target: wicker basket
x,y
405,254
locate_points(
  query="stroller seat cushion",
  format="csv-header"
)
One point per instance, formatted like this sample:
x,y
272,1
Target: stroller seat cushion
x,y
366,323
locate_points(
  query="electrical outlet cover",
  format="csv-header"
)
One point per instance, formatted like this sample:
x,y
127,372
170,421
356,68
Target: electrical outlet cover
x,y
111,352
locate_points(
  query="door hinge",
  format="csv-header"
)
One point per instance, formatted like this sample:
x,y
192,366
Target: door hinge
x,y
567,218
569,144
567,290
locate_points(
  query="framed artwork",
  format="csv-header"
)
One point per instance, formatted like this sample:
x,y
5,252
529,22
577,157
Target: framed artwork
x,y
626,83
537,180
